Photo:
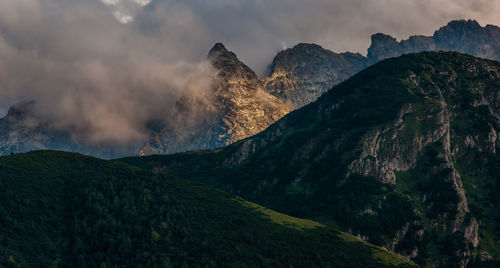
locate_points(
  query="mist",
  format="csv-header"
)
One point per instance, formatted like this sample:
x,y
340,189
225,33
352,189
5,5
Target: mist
x,y
105,69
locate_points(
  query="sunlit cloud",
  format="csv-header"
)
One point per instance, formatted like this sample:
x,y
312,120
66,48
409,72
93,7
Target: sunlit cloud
x,y
124,10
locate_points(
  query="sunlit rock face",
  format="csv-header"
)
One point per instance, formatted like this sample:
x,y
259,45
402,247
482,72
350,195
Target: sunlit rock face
x,y
237,108
462,36
248,109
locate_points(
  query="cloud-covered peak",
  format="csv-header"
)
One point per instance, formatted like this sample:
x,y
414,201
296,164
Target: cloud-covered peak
x,y
124,10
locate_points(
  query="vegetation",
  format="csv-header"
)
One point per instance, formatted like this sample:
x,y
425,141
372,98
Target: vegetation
x,y
301,165
68,210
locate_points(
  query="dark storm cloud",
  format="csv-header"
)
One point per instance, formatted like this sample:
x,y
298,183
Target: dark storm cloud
x,y
106,67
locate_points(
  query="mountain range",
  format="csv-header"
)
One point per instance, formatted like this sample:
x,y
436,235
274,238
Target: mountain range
x,y
404,155
464,36
244,103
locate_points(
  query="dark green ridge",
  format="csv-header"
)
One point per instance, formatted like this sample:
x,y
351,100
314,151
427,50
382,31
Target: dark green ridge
x,y
69,210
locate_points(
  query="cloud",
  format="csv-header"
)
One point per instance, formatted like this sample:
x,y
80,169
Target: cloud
x,y
107,68
124,10
99,79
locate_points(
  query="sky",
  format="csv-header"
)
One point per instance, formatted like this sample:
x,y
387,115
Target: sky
x,y
106,67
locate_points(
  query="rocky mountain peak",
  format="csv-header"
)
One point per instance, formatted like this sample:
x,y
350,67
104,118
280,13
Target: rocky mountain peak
x,y
383,46
382,38
19,111
306,48
288,59
464,36
228,63
218,47
461,34
301,74
220,51
463,24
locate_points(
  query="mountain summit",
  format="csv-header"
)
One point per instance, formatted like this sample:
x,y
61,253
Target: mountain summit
x,y
464,36
301,74
228,64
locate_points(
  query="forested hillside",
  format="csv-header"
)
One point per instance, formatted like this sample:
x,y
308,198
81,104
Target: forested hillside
x,y
68,210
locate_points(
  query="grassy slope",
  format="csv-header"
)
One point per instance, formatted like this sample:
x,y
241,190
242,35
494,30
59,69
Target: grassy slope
x,y
371,99
65,209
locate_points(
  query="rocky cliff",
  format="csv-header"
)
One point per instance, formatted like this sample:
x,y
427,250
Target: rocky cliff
x,y
301,74
464,36
404,155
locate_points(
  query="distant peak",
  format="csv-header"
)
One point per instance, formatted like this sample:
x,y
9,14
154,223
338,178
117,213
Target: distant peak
x,y
382,41
306,46
464,22
301,48
219,51
226,61
20,110
382,37
462,25
218,47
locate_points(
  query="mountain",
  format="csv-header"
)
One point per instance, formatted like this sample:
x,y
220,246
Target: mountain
x,y
24,130
242,104
245,104
69,210
301,74
464,36
238,109
404,155
297,77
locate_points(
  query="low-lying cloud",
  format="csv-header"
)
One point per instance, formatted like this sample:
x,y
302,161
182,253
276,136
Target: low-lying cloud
x,y
88,73
107,68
